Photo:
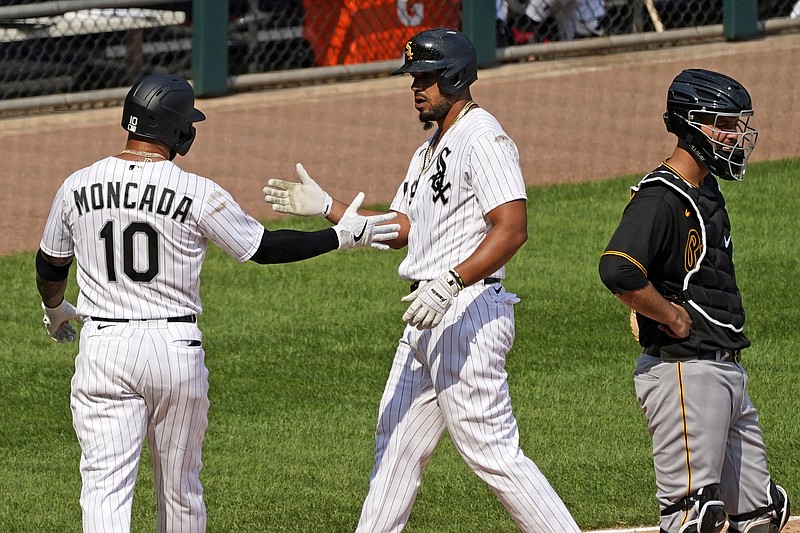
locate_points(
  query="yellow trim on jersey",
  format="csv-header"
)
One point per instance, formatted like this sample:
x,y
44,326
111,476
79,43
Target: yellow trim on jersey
x,y
692,185
629,258
685,438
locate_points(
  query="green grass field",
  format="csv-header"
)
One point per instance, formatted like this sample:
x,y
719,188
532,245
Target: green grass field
x,y
298,355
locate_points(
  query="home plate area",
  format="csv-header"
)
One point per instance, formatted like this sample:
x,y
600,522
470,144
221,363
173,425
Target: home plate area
x,y
793,526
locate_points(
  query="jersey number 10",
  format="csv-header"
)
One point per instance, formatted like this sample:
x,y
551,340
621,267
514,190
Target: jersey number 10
x,y
129,252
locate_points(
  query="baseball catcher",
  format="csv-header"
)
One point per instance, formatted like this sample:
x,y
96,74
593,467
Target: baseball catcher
x,y
671,261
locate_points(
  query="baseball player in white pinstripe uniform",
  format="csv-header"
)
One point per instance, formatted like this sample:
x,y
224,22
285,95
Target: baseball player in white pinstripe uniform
x,y
139,226
461,210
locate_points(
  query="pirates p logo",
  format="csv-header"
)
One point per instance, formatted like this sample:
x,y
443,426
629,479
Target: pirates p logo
x,y
409,53
694,247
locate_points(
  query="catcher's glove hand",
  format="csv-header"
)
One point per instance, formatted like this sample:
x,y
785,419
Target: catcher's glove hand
x,y
634,325
57,321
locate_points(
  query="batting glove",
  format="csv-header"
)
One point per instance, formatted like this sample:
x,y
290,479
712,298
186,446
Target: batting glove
x,y
431,301
57,321
305,198
357,231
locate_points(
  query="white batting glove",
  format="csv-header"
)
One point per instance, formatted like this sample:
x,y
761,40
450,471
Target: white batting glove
x,y
357,231
305,198
57,321
431,301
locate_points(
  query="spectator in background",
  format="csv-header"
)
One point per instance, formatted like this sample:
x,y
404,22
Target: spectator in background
x,y
528,21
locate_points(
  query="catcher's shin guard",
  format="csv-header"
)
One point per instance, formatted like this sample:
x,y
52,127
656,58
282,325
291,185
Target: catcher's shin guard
x,y
769,519
707,509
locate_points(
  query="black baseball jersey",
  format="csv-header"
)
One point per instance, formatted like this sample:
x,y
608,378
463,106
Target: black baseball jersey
x,y
678,238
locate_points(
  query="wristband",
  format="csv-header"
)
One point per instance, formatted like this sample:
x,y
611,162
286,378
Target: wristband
x,y
459,281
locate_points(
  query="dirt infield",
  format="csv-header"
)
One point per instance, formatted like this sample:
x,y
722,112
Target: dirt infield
x,y
792,527
574,119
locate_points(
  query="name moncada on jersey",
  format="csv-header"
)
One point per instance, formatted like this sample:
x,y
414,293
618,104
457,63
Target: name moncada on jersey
x,y
97,198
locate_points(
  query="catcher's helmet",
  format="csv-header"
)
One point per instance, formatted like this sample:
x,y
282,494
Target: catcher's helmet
x,y
161,107
448,51
698,98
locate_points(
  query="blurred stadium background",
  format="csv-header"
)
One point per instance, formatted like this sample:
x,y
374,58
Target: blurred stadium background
x,y
79,46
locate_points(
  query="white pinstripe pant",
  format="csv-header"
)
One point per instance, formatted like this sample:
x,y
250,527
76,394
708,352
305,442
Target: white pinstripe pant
x,y
134,381
453,377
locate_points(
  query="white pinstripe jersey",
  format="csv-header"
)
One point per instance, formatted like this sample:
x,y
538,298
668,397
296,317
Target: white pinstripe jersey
x,y
474,169
139,232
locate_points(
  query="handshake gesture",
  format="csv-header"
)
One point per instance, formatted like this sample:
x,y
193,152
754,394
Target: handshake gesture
x,y
308,199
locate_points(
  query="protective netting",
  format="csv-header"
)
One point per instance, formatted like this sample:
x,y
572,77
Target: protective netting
x,y
47,49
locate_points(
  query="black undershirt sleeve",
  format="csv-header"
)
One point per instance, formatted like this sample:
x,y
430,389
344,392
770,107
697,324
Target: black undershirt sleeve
x,y
286,246
620,275
638,241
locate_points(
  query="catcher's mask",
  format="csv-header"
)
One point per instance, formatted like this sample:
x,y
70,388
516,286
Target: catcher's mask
x,y
448,51
710,112
161,107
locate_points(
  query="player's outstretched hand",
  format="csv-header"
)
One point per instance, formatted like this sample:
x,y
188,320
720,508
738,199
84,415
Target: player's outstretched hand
x,y
357,231
431,301
57,321
305,198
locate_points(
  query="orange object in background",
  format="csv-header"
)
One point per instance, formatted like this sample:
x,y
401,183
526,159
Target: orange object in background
x,y
345,32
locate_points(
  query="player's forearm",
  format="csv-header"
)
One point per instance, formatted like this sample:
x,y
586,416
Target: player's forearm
x,y
496,250
288,246
52,292
51,277
508,233
650,303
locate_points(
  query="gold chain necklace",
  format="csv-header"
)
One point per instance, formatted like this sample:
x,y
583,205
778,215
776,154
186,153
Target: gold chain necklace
x,y
429,152
147,155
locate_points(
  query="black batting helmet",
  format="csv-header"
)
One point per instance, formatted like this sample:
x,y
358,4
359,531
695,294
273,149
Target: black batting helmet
x,y
161,107
698,98
441,49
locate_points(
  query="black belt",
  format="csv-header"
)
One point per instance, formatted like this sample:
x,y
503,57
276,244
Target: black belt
x,y
714,355
192,319
485,281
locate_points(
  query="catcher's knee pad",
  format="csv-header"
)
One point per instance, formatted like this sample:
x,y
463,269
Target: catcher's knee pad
x,y
707,509
769,519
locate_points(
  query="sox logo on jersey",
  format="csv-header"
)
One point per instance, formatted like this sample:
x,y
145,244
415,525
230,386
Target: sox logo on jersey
x,y
438,177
